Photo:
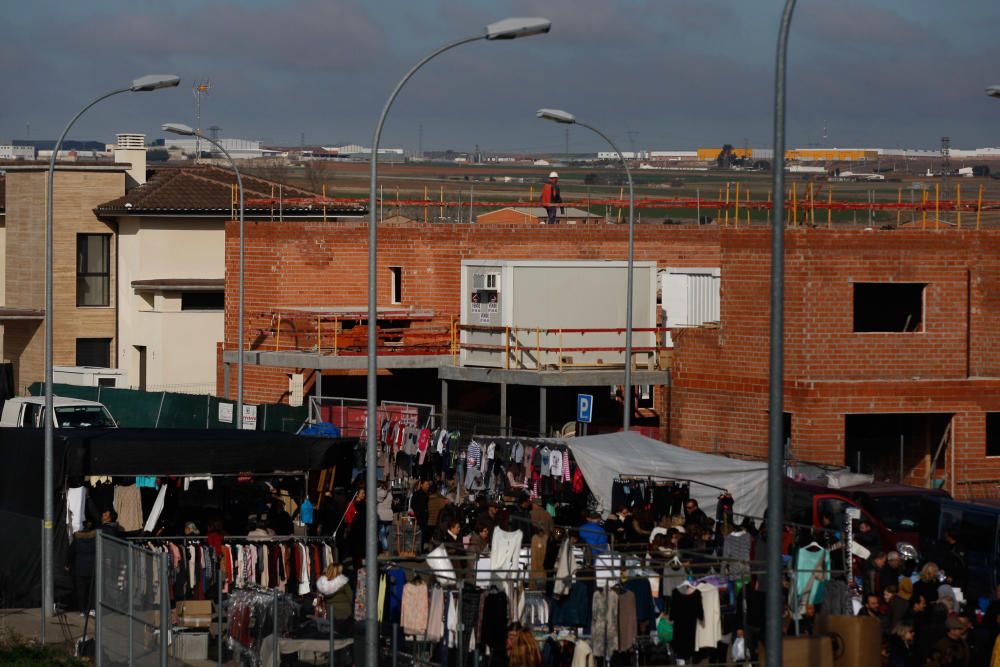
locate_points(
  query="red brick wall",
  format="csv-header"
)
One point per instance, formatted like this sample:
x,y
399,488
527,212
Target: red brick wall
x,y
719,398
294,264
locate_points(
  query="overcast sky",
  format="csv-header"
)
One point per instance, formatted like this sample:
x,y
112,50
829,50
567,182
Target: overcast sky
x,y
680,73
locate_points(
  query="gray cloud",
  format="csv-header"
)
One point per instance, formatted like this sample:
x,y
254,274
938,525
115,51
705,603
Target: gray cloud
x,y
682,73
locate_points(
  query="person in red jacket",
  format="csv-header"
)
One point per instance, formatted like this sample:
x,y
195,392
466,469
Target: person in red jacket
x,y
550,196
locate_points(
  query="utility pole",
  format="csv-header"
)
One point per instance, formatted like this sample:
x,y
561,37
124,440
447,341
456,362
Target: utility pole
x,y
420,140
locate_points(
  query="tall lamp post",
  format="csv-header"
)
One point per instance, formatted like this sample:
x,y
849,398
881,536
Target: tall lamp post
x,y
776,360
560,116
142,84
188,131
510,28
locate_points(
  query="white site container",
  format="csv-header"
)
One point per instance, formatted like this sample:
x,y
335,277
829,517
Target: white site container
x,y
90,376
539,300
689,297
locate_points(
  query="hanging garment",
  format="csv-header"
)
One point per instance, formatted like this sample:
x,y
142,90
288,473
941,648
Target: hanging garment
x,y
451,625
539,543
708,632
812,566
583,656
435,615
128,504
75,500
306,512
685,612
736,547
494,624
146,482
360,599
604,623
504,552
157,509
628,623
413,616
565,568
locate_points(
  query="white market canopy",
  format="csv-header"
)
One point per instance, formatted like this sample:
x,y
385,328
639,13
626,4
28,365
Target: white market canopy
x,y
603,458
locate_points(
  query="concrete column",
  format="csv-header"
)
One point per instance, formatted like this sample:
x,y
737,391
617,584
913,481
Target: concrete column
x,y
444,404
542,405
319,382
503,408
225,380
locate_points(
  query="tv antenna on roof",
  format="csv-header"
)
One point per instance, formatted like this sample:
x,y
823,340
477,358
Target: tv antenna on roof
x,y
200,89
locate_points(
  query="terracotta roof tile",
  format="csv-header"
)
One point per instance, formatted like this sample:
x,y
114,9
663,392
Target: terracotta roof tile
x,y
205,188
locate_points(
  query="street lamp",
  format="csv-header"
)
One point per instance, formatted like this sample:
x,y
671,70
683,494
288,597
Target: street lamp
x,y
560,116
510,28
142,84
187,131
776,361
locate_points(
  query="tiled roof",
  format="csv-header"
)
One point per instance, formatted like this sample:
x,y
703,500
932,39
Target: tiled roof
x,y
208,189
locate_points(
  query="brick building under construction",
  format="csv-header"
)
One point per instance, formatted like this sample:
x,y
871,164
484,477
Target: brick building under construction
x,y
890,364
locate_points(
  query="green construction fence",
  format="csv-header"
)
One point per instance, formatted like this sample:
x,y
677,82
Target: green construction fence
x,y
133,408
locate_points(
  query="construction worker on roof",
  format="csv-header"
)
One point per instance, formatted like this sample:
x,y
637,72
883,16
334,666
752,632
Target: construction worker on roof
x,y
550,196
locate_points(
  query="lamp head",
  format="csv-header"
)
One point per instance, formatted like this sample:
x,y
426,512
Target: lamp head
x,y
179,128
557,115
993,91
513,28
155,82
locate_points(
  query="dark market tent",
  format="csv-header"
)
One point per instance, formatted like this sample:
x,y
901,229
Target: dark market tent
x,y
602,458
126,452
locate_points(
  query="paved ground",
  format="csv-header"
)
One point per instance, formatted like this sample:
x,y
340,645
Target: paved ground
x,y
63,631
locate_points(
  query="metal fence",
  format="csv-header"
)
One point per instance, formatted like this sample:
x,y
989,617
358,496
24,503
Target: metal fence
x,y
132,604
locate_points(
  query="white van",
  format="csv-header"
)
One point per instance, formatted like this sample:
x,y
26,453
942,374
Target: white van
x,y
28,411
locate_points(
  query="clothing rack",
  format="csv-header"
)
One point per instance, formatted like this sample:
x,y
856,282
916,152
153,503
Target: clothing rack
x,y
666,478
230,538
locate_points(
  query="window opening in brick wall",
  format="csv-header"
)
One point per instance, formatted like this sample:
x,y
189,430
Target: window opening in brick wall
x,y
397,283
93,352
993,434
93,269
888,307
874,443
203,300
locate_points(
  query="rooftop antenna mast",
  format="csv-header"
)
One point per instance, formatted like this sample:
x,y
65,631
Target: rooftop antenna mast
x,y
200,89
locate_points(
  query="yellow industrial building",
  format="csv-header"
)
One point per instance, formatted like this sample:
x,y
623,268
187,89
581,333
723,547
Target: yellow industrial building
x,y
804,154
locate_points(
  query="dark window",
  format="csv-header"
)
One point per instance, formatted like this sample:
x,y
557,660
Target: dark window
x,y
203,300
93,352
93,269
993,434
397,283
888,307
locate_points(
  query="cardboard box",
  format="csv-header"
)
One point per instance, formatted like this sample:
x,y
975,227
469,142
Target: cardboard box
x,y
857,640
190,645
194,613
802,651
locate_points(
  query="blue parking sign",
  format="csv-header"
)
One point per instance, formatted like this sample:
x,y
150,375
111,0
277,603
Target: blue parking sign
x,y
584,407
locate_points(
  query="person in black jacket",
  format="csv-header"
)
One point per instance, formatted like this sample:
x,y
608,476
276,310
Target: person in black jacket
x,y
420,508
82,558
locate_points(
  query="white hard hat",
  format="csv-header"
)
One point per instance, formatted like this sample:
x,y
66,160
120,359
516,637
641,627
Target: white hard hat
x,y
553,174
